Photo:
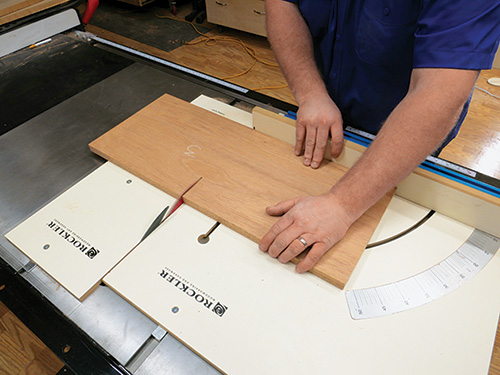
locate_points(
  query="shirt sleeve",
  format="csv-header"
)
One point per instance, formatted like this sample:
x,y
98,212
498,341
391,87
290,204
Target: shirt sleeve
x,y
459,34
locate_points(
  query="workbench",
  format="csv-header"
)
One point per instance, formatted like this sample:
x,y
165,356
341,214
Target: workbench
x,y
119,329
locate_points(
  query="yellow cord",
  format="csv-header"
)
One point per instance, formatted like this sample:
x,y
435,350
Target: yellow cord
x,y
212,41
270,88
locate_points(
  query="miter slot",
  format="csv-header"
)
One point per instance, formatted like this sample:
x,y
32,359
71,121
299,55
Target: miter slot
x,y
27,267
146,349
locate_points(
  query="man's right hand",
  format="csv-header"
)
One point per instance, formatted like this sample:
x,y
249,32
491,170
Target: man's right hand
x,y
317,118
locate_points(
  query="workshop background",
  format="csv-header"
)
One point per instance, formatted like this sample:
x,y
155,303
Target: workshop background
x,y
246,59
243,57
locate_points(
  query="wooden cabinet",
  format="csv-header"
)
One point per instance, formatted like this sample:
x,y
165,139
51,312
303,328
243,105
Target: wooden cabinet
x,y
245,15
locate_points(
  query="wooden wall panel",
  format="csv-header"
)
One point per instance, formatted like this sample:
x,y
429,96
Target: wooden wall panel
x,y
171,143
35,6
495,356
9,6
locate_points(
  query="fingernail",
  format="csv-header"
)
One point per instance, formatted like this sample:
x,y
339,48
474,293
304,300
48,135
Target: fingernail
x,y
297,152
261,247
314,164
299,270
306,161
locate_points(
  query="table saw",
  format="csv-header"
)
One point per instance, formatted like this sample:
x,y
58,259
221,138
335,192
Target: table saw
x,y
197,296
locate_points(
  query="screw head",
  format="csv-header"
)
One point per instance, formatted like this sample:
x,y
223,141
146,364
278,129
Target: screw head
x,y
46,246
175,309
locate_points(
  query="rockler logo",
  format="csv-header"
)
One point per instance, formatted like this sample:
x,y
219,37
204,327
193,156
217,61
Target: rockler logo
x,y
74,239
192,291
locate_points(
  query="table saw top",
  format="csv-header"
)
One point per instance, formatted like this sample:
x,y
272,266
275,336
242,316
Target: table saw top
x,y
104,105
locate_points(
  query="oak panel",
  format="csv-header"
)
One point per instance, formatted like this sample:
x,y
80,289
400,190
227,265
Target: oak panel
x,y
171,143
9,6
34,7
495,357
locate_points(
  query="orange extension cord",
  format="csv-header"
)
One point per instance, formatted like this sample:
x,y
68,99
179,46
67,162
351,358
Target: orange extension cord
x,y
213,40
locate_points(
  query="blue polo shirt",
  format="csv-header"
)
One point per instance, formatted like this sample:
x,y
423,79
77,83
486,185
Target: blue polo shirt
x,y
366,49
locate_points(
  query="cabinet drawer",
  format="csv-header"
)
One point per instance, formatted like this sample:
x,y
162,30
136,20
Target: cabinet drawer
x,y
245,15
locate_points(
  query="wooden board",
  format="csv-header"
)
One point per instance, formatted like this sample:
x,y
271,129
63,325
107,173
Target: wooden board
x,y
245,15
35,7
9,6
495,356
460,202
171,143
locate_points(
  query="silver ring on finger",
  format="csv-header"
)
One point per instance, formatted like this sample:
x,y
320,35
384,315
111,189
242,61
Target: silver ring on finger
x,y
303,241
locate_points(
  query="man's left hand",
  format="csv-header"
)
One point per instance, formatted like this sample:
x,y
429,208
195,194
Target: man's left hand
x,y
317,222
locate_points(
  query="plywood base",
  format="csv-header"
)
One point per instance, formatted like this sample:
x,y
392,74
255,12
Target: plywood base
x,y
171,144
245,314
86,231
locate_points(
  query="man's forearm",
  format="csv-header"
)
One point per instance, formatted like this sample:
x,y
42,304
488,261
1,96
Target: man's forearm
x,y
414,129
292,45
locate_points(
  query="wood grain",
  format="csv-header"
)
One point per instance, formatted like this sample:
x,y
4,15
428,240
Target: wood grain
x,y
21,352
31,9
451,198
477,145
243,172
495,356
9,6
245,15
496,62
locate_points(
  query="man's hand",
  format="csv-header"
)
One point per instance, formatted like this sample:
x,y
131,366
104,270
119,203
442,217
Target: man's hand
x,y
318,118
415,128
318,222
